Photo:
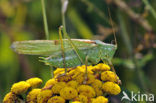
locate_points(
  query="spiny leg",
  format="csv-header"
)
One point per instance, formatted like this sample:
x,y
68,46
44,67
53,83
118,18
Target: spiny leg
x,y
62,48
83,59
86,71
79,54
113,69
111,64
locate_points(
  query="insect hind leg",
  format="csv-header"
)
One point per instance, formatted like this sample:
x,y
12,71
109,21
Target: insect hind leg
x,y
86,71
62,47
113,69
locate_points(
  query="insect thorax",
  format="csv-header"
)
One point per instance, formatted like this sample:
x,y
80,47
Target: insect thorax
x,y
107,51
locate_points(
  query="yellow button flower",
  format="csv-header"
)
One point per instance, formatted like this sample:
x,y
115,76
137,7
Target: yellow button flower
x,y
100,99
10,98
20,87
76,102
111,88
86,90
68,93
56,99
109,76
82,99
101,67
90,78
59,71
79,78
58,87
43,96
98,91
50,83
72,84
82,68
32,96
34,82
64,78
97,84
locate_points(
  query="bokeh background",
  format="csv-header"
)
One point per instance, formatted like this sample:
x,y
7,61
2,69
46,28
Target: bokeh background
x,y
134,23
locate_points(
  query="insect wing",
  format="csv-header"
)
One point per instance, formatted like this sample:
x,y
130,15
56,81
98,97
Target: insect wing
x,y
47,47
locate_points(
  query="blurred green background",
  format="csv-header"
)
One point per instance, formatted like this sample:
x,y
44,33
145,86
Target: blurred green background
x,y
134,23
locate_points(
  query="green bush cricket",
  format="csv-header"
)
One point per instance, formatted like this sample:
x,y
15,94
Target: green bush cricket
x,y
96,50
64,54
67,53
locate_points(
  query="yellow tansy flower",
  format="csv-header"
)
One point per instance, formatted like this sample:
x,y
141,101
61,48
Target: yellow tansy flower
x,y
64,78
59,71
101,67
98,92
79,78
32,96
100,99
111,88
58,86
82,99
90,78
76,102
43,96
56,99
72,84
10,98
20,87
34,82
109,76
68,93
83,69
50,83
86,90
97,84
92,99
73,71
76,86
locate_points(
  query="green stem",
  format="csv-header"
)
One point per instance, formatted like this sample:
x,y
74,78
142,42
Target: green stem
x,y
150,8
45,19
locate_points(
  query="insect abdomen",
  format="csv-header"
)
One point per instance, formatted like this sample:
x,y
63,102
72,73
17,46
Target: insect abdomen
x,y
71,58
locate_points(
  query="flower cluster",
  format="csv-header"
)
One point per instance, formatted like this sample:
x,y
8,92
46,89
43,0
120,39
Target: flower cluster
x,y
78,85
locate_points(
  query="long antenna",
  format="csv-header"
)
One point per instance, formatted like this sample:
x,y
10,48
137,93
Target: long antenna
x,y
111,22
45,20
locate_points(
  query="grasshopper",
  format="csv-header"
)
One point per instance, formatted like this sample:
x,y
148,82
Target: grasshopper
x,y
92,50
67,53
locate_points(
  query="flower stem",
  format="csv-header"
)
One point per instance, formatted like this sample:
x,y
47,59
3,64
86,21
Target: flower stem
x,y
45,20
